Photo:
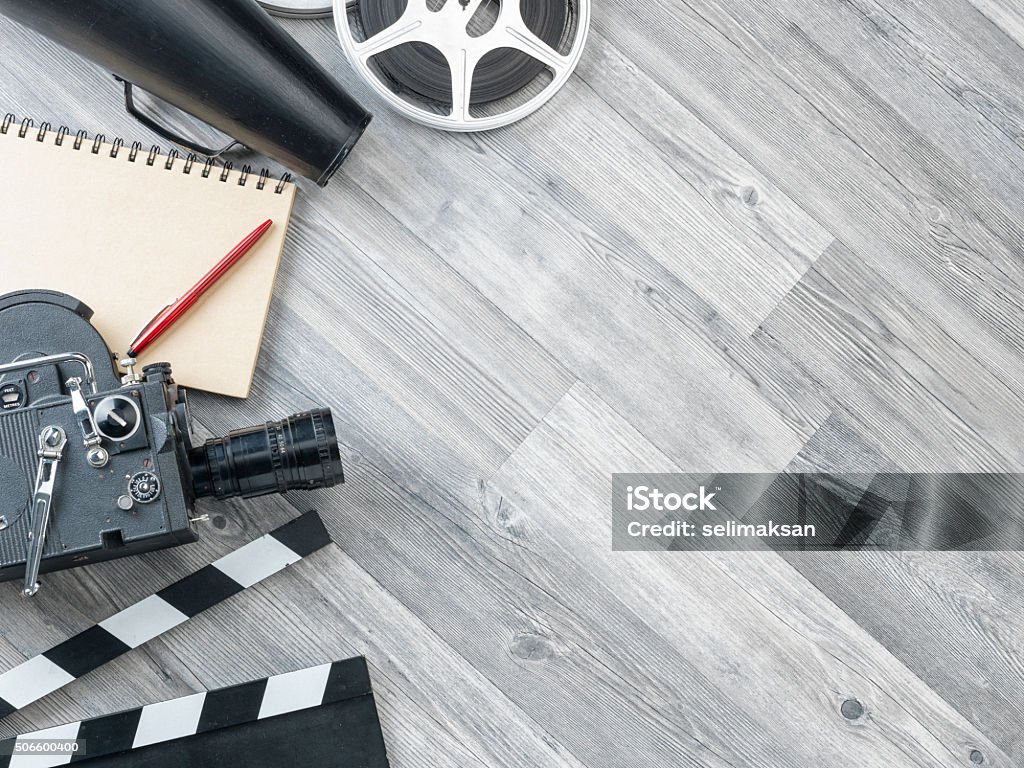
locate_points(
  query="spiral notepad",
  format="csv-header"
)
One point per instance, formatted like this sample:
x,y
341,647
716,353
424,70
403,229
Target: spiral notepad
x,y
127,229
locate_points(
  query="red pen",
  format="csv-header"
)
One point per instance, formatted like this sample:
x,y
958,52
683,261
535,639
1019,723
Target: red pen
x,y
173,311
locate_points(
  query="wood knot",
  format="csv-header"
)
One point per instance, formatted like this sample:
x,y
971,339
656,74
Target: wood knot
x,y
644,288
851,709
532,647
506,516
749,196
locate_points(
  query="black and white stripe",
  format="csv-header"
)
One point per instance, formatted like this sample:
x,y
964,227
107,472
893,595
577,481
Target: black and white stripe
x,y
203,713
91,649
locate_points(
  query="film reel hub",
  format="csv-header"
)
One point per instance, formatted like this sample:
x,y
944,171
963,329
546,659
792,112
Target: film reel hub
x,y
464,65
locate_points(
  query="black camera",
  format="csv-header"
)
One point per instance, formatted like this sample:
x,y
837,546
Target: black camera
x,y
96,464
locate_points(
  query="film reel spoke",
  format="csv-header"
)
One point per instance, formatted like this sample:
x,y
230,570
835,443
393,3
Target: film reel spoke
x,y
462,66
519,37
390,38
407,29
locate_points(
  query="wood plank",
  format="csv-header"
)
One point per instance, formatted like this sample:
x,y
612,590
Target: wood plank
x,y
960,48
967,626
415,273
897,366
746,621
966,609
839,151
744,199
470,375
676,212
1006,16
300,367
900,65
644,204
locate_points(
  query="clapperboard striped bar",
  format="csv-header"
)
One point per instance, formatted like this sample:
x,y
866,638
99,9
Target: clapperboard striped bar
x,y
323,716
159,613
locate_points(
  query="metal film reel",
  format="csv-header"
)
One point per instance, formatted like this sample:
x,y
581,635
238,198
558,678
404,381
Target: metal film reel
x,y
464,65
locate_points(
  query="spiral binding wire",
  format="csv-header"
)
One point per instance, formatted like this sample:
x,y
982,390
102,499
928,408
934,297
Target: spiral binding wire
x,y
171,157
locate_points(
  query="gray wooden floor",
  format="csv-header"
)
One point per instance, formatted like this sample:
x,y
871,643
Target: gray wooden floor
x,y
746,236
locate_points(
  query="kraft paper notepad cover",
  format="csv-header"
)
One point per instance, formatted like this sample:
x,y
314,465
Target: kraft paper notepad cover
x,y
127,238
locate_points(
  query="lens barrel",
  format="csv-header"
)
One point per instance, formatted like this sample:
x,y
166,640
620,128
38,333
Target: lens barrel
x,y
298,452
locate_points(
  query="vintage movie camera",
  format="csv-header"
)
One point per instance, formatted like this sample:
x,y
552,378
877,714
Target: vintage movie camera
x,y
96,464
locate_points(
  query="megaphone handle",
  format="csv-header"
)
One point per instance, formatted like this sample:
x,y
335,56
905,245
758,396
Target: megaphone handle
x,y
167,133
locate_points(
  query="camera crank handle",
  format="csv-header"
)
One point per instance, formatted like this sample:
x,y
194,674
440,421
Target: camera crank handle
x,y
52,441
96,455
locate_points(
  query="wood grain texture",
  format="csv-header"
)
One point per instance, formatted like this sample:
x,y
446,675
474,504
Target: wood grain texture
x,y
739,623
959,602
845,154
864,350
746,236
1006,17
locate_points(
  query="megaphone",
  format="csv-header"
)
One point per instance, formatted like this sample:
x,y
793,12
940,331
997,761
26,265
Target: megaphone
x,y
226,62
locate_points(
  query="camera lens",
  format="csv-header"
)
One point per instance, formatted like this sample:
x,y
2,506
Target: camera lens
x,y
298,452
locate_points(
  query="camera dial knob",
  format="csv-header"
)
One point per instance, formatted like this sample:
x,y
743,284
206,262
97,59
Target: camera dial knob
x,y
117,417
144,487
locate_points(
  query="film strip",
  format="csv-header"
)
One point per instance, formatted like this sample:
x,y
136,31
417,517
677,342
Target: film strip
x,y
159,613
323,715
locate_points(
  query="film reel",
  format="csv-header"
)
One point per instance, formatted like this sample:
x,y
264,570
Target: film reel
x,y
464,65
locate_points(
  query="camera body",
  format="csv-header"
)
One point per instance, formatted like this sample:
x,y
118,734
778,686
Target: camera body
x,y
95,465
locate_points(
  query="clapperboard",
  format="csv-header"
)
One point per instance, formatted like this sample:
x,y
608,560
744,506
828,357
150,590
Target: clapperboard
x,y
321,716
